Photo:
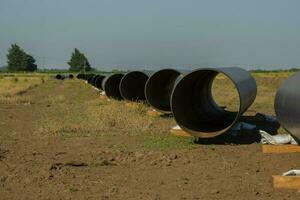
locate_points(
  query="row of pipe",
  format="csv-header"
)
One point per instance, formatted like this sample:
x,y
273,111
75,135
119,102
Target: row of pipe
x,y
188,96
63,76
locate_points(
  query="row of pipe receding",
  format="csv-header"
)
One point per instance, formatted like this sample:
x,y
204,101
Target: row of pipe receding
x,y
188,96
63,76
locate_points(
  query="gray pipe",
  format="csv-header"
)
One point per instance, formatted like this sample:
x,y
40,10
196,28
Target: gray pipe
x,y
193,106
287,105
110,85
159,88
132,85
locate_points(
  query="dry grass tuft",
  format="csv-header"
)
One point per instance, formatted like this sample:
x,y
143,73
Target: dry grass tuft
x,y
13,88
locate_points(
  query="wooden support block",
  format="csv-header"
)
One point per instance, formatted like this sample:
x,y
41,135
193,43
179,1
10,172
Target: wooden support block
x,y
179,132
286,148
287,182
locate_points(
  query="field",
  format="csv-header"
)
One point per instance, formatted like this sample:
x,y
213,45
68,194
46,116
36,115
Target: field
x,y
63,140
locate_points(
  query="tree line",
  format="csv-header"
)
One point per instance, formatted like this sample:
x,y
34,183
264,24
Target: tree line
x,y
19,60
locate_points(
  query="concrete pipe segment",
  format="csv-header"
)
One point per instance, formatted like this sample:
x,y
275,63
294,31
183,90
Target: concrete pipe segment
x,y
132,85
159,88
194,108
110,85
287,105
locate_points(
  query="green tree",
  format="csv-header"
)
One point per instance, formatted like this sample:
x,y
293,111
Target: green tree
x,y
18,60
79,62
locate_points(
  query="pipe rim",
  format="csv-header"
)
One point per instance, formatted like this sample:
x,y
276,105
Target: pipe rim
x,y
147,92
239,112
109,78
126,80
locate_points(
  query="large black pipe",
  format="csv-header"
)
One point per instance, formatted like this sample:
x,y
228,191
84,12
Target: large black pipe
x,y
287,105
132,85
159,88
85,76
93,80
194,108
98,82
110,85
80,76
89,78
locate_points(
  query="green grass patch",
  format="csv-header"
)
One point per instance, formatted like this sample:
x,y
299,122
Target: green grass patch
x,y
169,142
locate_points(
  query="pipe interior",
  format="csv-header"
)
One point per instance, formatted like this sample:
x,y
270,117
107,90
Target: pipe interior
x,y
90,78
98,82
93,82
195,108
111,86
132,86
159,89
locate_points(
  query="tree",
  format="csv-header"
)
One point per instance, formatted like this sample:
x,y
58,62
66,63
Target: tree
x,y
79,62
18,60
31,66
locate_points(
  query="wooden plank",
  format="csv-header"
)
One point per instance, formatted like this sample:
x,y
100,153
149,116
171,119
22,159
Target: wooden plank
x,y
287,182
179,132
287,148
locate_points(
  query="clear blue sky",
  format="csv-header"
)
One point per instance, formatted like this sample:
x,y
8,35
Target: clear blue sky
x,y
138,33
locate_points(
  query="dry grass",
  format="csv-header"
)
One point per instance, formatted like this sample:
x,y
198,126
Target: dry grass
x,y
13,88
76,110
96,115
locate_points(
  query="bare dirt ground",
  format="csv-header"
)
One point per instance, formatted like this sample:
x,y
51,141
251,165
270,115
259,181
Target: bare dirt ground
x,y
68,142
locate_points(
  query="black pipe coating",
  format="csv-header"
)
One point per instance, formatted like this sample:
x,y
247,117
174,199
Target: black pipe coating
x,y
194,108
132,85
110,85
159,88
98,82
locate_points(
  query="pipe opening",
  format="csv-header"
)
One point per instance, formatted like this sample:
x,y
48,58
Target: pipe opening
x,y
132,86
111,86
159,88
60,77
93,81
80,76
225,94
90,78
200,110
98,82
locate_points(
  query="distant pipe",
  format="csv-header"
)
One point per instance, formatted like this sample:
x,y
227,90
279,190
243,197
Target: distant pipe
x,y
89,78
71,76
110,85
80,76
287,105
132,85
93,80
98,82
60,76
194,108
159,88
